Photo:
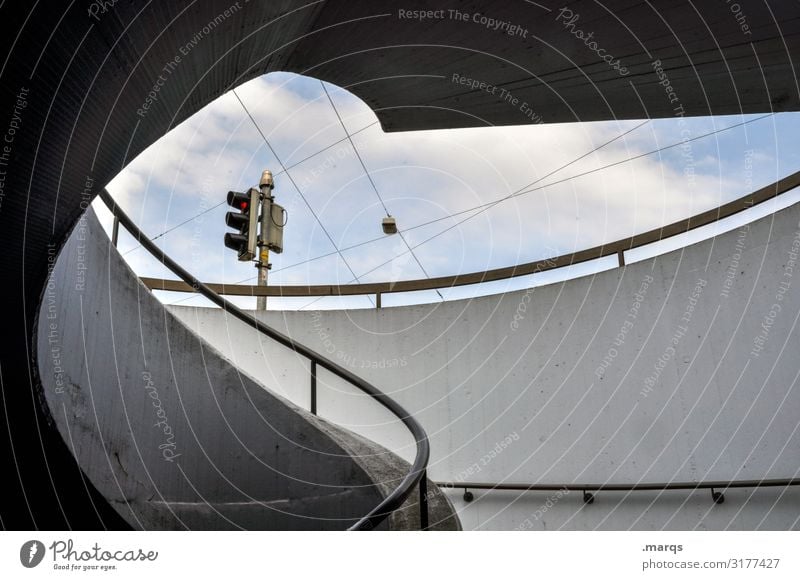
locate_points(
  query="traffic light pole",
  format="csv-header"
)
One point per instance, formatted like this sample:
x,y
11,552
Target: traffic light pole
x,y
266,185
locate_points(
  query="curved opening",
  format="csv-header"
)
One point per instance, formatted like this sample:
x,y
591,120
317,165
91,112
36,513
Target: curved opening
x,y
559,188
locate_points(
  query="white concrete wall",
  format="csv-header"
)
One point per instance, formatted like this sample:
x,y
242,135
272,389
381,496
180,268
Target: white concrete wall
x,y
175,437
514,387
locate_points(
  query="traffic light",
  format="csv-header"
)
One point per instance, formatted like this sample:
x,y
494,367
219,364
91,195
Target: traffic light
x,y
245,221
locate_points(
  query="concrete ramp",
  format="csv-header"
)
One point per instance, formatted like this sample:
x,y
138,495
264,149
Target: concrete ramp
x,y
172,434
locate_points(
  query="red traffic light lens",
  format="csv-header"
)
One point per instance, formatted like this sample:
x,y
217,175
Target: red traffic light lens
x,y
240,201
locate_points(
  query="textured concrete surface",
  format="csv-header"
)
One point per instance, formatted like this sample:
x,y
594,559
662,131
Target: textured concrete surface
x,y
385,469
682,367
173,435
75,85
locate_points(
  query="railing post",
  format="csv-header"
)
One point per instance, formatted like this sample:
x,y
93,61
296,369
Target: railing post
x,y
313,387
423,501
377,300
405,490
115,231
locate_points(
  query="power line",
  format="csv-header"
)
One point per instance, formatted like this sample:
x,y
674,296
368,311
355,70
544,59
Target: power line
x,y
357,131
634,158
355,149
291,179
292,166
554,171
175,227
522,192
372,182
525,190
334,144
285,169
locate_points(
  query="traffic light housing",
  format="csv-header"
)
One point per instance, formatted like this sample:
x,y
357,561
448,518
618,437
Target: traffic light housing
x,y
245,222
275,230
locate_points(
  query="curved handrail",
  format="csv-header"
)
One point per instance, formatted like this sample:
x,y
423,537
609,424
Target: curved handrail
x,y
667,486
676,228
417,475
715,486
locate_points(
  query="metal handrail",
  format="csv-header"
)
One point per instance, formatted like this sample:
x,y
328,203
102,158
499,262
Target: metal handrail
x,y
614,248
417,474
717,496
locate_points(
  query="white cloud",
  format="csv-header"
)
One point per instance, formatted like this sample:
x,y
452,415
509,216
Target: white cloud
x,y
421,176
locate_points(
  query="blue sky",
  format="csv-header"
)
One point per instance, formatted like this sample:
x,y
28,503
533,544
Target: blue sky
x,y
425,176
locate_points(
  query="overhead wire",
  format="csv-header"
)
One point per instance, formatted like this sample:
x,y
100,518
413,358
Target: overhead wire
x,y
372,182
496,202
525,190
297,188
292,166
522,191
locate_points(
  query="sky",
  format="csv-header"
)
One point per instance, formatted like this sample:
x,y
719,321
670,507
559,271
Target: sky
x,y
425,178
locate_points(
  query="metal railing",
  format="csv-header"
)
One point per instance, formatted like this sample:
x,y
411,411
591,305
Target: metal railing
x,y
189,283
716,495
417,474
617,248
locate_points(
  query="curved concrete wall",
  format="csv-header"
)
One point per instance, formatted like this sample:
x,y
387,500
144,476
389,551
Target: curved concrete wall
x,y
683,367
176,437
